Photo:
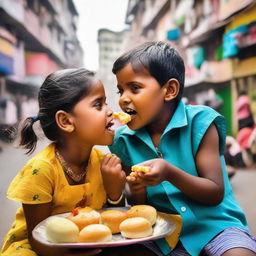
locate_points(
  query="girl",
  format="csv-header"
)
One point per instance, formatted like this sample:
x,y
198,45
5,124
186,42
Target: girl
x,y
69,172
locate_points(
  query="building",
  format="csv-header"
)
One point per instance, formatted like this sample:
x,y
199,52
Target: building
x,y
111,45
217,39
36,38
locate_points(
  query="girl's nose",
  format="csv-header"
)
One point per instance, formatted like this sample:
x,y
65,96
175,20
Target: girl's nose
x,y
109,112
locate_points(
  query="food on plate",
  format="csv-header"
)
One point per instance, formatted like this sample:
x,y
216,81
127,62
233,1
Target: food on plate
x,y
145,211
112,219
84,216
124,118
136,227
61,230
95,233
140,168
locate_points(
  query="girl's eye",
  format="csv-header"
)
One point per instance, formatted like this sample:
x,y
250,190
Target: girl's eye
x,y
135,88
98,105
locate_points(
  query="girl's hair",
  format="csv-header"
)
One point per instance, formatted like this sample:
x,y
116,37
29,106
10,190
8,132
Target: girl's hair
x,y
161,60
61,90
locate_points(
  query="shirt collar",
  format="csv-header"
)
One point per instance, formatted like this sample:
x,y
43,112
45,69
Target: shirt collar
x,y
179,119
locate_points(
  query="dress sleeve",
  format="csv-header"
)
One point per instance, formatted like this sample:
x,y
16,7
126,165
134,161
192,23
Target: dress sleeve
x,y
201,123
33,184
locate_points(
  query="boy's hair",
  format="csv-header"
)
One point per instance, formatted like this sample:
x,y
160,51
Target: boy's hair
x,y
61,90
161,60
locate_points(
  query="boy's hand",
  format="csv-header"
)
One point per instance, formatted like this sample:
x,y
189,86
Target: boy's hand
x,y
159,171
113,176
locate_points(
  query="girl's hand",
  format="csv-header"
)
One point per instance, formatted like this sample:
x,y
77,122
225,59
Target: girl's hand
x,y
113,176
159,172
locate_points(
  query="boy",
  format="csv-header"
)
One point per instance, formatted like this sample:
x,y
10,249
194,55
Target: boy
x,y
183,145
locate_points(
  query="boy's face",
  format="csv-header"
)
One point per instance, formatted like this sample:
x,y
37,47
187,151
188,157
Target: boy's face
x,y
141,96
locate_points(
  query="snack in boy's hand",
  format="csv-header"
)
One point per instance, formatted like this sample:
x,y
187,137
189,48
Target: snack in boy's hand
x,y
61,230
124,118
136,227
140,168
146,211
112,219
95,233
84,216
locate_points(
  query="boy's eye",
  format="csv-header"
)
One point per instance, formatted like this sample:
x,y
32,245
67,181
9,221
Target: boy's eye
x,y
120,91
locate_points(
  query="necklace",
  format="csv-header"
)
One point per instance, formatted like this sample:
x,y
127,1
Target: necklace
x,y
68,170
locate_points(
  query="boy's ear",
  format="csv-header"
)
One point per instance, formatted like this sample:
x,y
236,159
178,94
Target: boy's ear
x,y
172,88
64,121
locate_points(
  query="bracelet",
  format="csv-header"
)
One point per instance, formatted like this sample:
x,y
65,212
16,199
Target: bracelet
x,y
116,201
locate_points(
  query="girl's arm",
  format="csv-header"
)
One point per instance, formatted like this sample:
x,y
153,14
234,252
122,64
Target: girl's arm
x,y
35,213
208,188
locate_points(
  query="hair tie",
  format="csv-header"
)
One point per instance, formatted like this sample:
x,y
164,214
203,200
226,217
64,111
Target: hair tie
x,y
35,118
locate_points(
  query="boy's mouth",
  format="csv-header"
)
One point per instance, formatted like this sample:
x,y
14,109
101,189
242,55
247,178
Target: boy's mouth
x,y
130,111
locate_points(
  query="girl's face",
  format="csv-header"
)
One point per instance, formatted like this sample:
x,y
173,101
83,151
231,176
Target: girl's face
x,y
141,96
92,118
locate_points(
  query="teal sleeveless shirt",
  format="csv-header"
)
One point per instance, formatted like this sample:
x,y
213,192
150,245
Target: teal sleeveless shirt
x,y
178,145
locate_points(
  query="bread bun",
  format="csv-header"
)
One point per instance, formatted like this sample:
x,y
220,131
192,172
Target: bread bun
x,y
95,233
61,230
145,211
136,227
112,219
83,217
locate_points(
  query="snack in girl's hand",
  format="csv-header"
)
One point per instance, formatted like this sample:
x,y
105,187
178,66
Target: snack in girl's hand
x,y
61,230
124,118
84,216
140,168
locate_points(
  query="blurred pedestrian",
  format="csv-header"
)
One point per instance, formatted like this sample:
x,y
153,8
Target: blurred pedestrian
x,y
69,172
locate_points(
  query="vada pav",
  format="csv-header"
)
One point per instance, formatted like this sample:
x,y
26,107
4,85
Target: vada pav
x,y
112,219
61,230
136,227
146,211
83,217
95,233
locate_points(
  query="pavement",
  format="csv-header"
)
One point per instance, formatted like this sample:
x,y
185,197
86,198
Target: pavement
x,y
12,160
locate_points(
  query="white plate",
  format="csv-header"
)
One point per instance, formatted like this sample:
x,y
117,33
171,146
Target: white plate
x,y
164,226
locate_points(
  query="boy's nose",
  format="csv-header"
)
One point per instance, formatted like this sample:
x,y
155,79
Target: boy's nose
x,y
125,100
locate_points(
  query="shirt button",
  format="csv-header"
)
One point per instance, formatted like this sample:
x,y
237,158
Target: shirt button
x,y
183,208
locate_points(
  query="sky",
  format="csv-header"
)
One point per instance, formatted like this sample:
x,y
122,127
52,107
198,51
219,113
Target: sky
x,y
93,15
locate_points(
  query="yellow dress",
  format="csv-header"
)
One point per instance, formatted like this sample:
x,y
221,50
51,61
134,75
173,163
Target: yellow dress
x,y
42,180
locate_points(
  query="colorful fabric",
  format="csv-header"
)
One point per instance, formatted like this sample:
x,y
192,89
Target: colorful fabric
x,y
179,144
243,107
42,180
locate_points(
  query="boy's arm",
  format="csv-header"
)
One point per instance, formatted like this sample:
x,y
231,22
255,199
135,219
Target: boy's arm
x,y
208,187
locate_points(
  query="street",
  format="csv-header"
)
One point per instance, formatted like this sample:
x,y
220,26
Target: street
x,y
12,160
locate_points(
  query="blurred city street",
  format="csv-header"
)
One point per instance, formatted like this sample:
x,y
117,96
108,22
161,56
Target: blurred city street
x,y
12,159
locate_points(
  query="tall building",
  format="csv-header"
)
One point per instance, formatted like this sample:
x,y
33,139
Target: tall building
x,y
111,45
36,38
217,39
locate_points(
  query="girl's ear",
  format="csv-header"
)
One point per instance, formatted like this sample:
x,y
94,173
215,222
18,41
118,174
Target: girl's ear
x,y
64,121
172,88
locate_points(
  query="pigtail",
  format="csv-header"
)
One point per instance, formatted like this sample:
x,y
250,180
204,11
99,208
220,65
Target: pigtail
x,y
28,137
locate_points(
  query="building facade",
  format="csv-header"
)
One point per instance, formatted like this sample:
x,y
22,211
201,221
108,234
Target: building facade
x,y
36,38
216,38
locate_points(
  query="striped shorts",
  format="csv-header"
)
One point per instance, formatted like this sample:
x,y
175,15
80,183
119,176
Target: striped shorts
x,y
228,239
